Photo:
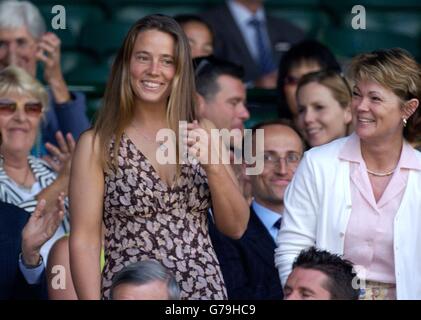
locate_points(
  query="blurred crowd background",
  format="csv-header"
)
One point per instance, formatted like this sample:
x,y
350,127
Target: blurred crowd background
x,y
96,28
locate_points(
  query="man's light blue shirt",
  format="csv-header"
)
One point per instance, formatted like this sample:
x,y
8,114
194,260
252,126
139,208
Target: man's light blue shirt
x,y
242,17
31,275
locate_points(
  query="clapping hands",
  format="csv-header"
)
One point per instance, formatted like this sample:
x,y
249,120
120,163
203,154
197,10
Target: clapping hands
x,y
40,227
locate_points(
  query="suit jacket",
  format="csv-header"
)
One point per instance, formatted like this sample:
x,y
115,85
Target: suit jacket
x,y
247,264
12,283
230,44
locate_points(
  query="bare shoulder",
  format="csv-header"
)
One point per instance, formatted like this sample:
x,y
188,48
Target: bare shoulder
x,y
88,142
88,138
88,149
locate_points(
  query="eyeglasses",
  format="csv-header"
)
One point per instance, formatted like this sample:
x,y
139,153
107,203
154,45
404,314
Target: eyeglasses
x,y
8,107
291,159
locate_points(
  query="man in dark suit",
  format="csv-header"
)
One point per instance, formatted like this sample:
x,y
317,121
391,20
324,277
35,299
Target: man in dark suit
x,y
22,274
248,264
246,35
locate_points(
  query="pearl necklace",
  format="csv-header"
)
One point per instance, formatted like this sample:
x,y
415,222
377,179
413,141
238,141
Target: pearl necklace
x,y
378,174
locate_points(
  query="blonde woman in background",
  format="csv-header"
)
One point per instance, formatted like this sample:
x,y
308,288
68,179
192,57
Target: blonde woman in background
x,y
324,107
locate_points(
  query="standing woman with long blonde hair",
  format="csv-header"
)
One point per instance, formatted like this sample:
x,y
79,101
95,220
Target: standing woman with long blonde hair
x,y
150,210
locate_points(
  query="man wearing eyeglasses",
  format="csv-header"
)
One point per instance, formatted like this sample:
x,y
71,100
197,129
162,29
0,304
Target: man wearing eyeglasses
x,y
248,264
282,149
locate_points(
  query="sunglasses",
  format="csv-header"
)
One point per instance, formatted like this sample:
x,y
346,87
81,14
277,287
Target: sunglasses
x,y
32,109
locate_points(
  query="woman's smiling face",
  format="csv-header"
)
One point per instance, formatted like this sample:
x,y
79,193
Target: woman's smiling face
x,y
377,111
152,66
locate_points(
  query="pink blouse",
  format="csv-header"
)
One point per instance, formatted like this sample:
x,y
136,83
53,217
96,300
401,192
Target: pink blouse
x,y
369,235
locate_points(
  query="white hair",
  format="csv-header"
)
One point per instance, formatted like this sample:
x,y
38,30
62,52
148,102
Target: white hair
x,y
16,14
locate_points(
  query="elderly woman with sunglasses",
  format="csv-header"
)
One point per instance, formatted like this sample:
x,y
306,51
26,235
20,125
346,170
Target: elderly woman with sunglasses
x,y
25,179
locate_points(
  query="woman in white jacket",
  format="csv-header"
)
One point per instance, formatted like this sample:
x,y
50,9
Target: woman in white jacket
x,y
360,196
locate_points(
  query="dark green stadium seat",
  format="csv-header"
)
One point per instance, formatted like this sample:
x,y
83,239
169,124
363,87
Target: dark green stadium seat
x,y
310,21
293,3
89,75
397,21
73,59
114,5
262,105
68,39
260,114
385,4
62,2
76,15
341,9
133,13
349,42
104,38
93,105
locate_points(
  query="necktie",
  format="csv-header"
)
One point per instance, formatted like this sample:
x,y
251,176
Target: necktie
x,y
277,224
265,58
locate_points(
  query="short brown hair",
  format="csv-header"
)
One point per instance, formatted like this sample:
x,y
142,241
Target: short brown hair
x,y
397,70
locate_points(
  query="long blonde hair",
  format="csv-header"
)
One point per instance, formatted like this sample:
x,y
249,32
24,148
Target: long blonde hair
x,y
119,98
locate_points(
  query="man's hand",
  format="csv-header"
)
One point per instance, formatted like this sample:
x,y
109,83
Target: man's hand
x,y
40,227
49,53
